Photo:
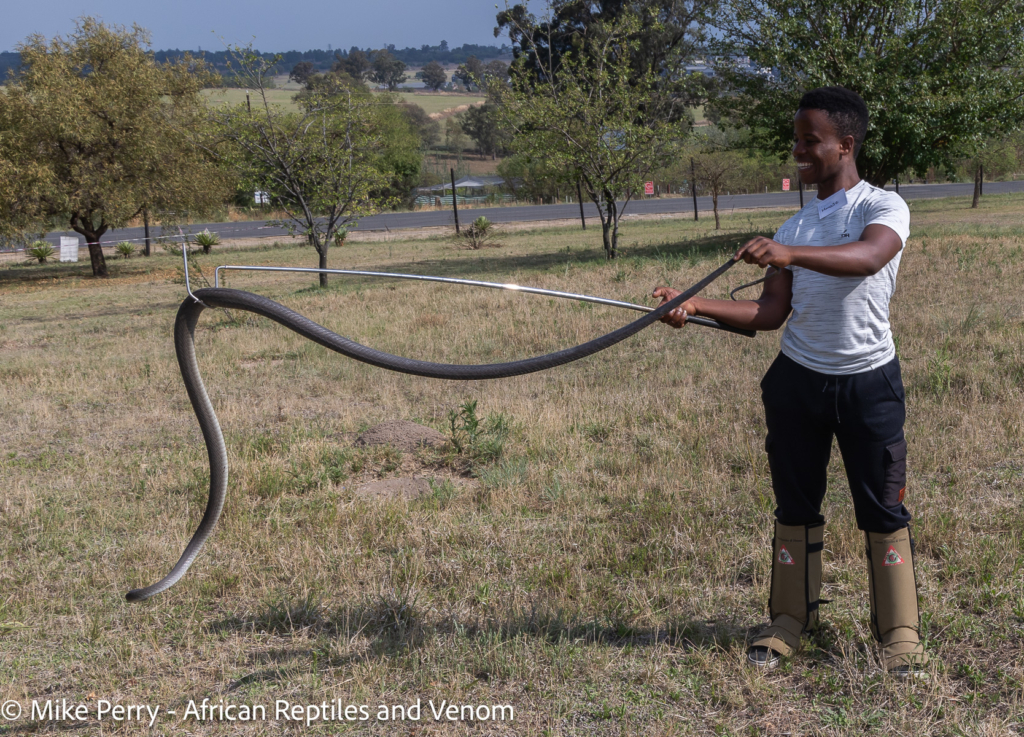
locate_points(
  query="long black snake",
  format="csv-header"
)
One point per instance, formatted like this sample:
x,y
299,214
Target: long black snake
x,y
184,344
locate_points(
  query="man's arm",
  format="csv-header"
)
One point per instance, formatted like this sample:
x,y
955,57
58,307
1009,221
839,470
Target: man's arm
x,y
866,257
768,312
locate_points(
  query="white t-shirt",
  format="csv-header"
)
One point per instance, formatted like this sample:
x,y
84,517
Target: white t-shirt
x,y
840,324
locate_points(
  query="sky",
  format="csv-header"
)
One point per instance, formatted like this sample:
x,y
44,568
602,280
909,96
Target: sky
x,y
272,26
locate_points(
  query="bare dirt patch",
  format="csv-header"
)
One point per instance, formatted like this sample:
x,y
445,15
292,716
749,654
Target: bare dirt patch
x,y
398,488
402,435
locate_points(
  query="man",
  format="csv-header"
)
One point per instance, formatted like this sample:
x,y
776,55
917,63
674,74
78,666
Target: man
x,y
833,266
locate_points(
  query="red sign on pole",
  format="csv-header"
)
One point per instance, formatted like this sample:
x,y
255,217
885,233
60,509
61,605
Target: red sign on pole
x,y
785,185
648,187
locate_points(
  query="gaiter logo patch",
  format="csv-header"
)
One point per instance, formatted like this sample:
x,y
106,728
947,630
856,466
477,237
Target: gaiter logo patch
x,y
785,558
892,558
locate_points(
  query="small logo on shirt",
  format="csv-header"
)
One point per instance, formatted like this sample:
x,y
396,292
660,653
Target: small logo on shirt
x,y
845,235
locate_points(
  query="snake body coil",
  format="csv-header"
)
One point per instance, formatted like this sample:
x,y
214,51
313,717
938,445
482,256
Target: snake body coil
x,y
184,345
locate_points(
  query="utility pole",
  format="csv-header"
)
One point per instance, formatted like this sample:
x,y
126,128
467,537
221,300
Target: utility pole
x,y
693,187
455,202
800,186
579,196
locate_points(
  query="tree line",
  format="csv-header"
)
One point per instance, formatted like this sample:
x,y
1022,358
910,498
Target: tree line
x,y
321,59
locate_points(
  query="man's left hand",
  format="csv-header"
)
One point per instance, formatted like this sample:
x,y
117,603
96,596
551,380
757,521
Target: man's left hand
x,y
765,252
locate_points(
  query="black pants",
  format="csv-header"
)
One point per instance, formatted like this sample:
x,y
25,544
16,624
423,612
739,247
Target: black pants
x,y
865,412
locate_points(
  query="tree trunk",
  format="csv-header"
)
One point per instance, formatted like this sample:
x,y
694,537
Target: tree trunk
x,y
610,226
84,227
977,187
714,202
615,234
92,239
145,221
322,264
99,264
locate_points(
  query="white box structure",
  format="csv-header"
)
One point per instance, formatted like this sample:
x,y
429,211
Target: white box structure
x,y
68,248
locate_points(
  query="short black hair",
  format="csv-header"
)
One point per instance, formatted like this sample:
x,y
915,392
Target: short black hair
x,y
845,109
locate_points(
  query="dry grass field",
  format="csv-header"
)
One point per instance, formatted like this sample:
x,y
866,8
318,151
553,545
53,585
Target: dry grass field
x,y
436,103
441,102
593,553
236,96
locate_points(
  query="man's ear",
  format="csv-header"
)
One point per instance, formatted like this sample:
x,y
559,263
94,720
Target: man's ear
x,y
847,145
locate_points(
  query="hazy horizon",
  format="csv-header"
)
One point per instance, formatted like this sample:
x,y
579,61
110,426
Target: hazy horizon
x,y
308,24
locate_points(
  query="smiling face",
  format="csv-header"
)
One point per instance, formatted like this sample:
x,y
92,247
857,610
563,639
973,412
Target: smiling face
x,y
820,154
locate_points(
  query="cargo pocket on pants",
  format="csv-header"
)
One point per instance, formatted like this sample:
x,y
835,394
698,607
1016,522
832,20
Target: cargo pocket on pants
x,y
895,474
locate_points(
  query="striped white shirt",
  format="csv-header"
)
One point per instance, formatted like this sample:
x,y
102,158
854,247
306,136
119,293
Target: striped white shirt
x,y
840,324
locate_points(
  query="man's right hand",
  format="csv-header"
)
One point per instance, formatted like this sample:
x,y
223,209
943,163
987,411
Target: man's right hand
x,y
677,317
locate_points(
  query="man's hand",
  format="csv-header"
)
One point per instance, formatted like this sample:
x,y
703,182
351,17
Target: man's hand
x,y
765,252
677,317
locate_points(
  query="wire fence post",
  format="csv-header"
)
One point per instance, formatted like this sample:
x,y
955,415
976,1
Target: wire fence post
x,y
455,202
145,222
693,187
579,196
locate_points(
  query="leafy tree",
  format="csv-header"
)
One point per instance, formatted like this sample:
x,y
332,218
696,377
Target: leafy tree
x,y
93,132
387,70
400,153
938,77
992,159
434,76
356,65
321,165
482,124
596,117
335,82
302,71
531,178
428,129
716,169
670,36
470,74
495,71
454,136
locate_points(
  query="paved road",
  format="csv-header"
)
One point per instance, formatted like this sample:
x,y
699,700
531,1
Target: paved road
x,y
539,213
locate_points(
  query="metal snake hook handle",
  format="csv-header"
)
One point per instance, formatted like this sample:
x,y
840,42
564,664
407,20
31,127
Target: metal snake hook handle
x,y
184,346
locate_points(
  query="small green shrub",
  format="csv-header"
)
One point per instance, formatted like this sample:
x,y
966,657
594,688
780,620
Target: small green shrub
x,y
339,236
477,235
206,239
126,249
483,441
40,252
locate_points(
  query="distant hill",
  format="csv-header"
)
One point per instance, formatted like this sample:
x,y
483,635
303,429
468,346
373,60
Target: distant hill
x,y
11,60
